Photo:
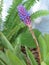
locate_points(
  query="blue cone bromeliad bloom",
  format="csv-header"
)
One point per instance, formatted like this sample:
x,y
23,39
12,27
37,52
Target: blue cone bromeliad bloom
x,y
24,15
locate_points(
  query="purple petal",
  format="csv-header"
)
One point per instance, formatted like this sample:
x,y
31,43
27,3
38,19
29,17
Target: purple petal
x,y
24,14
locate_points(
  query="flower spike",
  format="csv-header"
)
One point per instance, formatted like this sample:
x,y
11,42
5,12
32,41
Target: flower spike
x,y
24,15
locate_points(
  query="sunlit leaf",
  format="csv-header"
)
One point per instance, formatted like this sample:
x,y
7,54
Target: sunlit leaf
x,y
43,47
46,37
14,59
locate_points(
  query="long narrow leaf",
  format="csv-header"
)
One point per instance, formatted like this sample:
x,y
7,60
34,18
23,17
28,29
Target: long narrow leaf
x,y
5,42
31,57
4,58
43,47
47,59
46,37
39,14
29,3
14,59
1,63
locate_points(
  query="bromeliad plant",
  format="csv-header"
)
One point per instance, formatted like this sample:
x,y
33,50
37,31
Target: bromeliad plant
x,y
15,34
14,56
24,15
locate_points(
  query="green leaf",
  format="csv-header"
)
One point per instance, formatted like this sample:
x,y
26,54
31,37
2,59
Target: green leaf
x,y
31,57
14,31
29,3
5,42
14,59
46,37
1,5
12,18
43,63
19,52
26,38
1,63
4,58
43,47
47,59
39,14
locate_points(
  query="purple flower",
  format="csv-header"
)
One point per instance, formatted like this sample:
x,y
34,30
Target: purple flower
x,y
24,16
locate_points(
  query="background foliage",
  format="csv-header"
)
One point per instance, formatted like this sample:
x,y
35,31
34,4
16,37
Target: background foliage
x,y
15,34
